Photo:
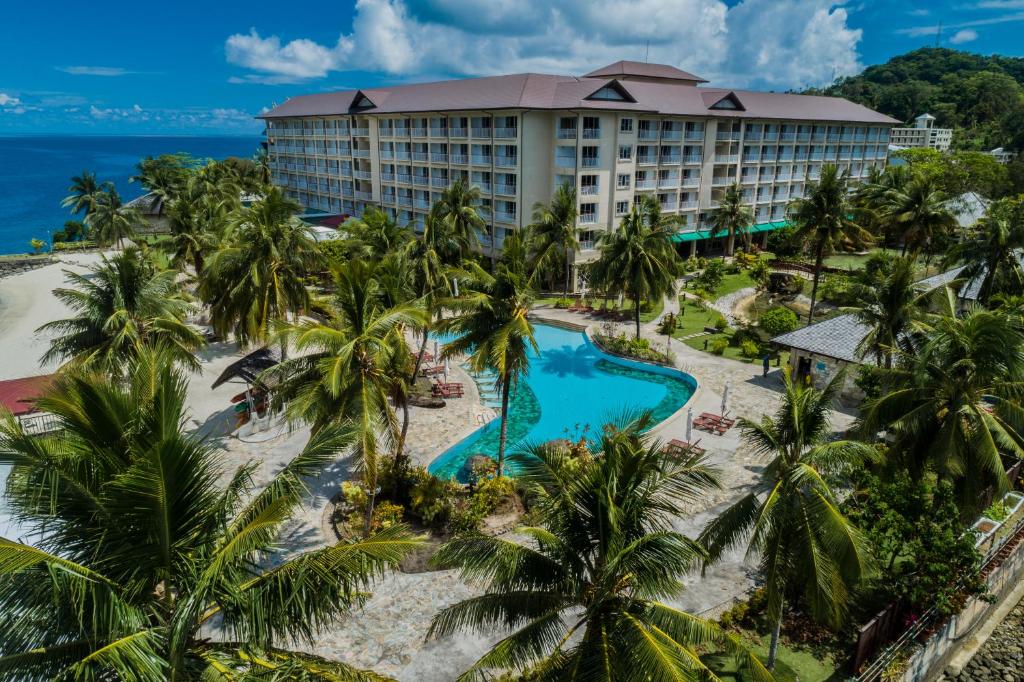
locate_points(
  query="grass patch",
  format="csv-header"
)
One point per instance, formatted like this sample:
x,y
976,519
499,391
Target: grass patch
x,y
693,319
792,665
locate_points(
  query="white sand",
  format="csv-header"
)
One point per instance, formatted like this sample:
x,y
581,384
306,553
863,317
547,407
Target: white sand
x,y
26,303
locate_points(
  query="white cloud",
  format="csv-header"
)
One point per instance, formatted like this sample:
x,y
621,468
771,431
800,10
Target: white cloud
x,y
965,35
8,100
108,71
781,43
917,31
135,113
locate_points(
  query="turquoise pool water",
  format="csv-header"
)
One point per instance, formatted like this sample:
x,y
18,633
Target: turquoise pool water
x,y
571,385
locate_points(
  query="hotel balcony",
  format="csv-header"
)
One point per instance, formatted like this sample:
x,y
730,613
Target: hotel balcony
x,y
506,189
670,159
362,174
668,183
403,156
587,190
479,160
361,153
727,158
482,132
457,132
364,196
693,159
421,203
404,178
566,133
787,137
459,159
690,182
439,158
439,182
439,132
727,135
420,180
668,206
418,132
505,216
387,198
404,201
591,161
687,204
485,187
360,132
420,156
401,132
387,177
591,133
565,161
671,135
646,184
722,181
588,218
505,161
647,160
505,133
647,134
695,135
386,154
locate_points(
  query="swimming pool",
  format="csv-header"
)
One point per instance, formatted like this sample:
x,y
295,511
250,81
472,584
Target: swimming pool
x,y
571,385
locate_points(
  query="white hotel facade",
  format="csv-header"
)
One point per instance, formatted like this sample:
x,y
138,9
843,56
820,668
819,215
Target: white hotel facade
x,y
617,133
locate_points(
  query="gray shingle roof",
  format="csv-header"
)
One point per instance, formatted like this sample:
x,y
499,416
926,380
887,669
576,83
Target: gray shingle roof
x,y
835,338
541,91
642,69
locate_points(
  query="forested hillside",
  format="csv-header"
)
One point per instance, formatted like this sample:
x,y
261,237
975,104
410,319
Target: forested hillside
x,y
981,97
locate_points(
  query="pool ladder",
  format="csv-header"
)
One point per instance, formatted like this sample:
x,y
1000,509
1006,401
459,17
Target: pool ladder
x,y
489,396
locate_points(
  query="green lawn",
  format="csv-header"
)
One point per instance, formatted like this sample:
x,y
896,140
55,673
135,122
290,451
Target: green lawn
x,y
792,664
693,320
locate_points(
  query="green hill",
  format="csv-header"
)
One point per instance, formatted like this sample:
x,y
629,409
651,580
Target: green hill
x,y
981,97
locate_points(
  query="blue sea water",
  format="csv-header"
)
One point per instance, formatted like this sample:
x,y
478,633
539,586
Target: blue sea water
x,y
35,172
572,386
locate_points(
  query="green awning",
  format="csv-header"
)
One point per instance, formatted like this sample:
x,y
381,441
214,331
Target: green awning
x,y
706,234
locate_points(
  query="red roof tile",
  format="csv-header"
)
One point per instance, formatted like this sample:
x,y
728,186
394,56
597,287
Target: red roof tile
x,y
17,395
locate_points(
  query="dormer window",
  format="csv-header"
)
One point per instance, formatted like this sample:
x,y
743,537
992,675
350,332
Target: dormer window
x,y
728,103
361,101
612,91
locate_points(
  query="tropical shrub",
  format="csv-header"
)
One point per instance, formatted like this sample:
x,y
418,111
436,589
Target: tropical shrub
x,y
750,349
633,348
385,515
431,499
668,324
759,272
711,277
785,284
778,320
745,260
720,323
837,289
718,345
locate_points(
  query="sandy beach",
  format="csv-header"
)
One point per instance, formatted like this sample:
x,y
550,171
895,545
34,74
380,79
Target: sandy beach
x,y
26,303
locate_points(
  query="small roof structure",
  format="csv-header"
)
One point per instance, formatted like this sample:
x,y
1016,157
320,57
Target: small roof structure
x,y
968,208
625,68
969,291
321,233
248,368
836,338
18,396
148,204
705,234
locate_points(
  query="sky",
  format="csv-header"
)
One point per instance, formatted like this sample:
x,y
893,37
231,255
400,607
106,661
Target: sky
x,y
208,68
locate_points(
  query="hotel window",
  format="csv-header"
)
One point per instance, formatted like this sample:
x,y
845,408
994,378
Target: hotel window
x,y
626,125
588,184
564,180
621,207
590,156
588,213
622,182
565,156
625,152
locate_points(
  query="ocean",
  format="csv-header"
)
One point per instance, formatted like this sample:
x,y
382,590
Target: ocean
x,y
35,172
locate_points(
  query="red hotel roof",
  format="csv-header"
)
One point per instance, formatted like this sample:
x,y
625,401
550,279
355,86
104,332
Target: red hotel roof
x,y
17,395
657,94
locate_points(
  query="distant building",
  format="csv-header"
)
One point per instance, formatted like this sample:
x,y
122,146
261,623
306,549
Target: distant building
x,y
1000,155
968,208
150,207
923,134
623,131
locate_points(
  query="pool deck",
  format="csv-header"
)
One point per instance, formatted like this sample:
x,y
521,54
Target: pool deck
x,y
387,634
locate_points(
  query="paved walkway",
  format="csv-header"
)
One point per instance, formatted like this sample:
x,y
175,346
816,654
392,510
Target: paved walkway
x,y
387,635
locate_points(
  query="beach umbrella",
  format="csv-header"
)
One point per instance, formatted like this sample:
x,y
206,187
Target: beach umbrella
x,y
725,398
446,369
689,425
435,351
455,286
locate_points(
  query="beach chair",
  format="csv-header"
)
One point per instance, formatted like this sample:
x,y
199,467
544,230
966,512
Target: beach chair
x,y
681,448
432,371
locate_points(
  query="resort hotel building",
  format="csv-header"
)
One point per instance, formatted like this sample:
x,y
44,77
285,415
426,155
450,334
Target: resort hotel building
x,y
617,133
923,134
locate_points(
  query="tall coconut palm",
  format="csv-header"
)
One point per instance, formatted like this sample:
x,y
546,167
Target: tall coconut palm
x,y
110,221
919,211
553,237
198,220
823,221
793,525
889,303
258,277
638,259
164,176
732,217
992,252
490,324
348,367
83,192
376,234
457,210
145,566
873,198
123,306
953,401
583,598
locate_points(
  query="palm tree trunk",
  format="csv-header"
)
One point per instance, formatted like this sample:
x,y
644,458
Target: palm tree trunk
x,y
773,648
504,427
636,314
568,273
731,245
419,358
814,288
371,502
400,460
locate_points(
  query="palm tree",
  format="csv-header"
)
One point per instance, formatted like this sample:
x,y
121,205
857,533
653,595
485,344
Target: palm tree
x,y
197,219
583,597
732,217
992,252
259,276
123,306
553,236
638,259
822,221
872,199
110,221
952,402
376,234
919,212
890,302
140,554
491,325
83,192
349,366
805,545
163,176
457,210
